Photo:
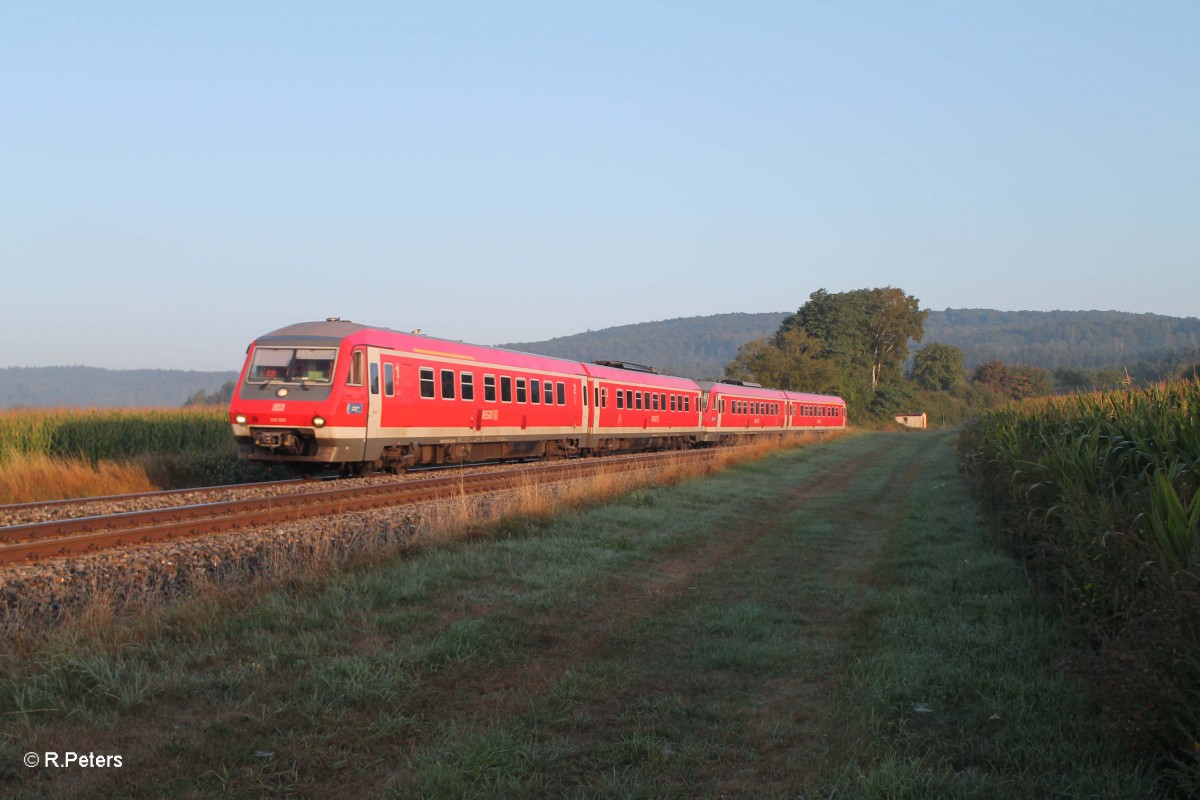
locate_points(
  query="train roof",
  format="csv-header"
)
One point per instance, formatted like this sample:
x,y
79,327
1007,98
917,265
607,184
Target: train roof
x,y
639,376
330,332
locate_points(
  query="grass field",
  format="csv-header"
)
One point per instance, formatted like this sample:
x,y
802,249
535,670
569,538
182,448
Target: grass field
x,y
824,622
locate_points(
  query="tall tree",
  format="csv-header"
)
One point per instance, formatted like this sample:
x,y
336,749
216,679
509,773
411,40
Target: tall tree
x,y
791,360
938,367
862,330
1015,381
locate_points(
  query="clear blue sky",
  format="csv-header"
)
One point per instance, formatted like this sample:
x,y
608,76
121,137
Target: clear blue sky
x,y
176,179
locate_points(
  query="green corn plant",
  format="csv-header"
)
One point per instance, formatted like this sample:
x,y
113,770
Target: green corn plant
x,y
1172,524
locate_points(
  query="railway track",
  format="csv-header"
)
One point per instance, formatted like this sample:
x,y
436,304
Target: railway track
x,y
61,537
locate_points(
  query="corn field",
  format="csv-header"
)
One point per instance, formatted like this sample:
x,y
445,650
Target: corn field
x,y
1100,495
1130,456
112,434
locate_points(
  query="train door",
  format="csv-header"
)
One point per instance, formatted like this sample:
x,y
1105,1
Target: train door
x,y
373,444
354,406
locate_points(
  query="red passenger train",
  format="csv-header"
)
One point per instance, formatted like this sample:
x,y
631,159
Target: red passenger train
x,y
338,393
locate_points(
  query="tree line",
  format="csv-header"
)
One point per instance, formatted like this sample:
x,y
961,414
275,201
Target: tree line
x,y
856,344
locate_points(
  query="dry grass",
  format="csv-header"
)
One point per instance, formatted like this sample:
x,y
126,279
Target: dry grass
x,y
32,478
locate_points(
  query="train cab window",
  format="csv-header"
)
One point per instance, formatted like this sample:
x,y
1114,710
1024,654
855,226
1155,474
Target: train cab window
x,y
505,389
426,382
356,369
447,384
535,390
521,390
549,396
561,389
467,380
389,379
489,388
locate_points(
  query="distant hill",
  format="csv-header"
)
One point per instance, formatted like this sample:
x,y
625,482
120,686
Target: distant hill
x,y
1053,339
694,347
700,347
96,387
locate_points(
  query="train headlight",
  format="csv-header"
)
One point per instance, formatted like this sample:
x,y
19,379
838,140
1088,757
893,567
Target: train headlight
x,y
318,422
240,419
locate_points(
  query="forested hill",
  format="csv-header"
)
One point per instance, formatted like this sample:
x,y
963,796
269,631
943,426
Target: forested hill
x,y
92,386
1053,339
700,347
694,347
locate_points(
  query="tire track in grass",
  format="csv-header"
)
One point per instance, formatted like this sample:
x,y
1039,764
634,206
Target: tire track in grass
x,y
568,640
626,645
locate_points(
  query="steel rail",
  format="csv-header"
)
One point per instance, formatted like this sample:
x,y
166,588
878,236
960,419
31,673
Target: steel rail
x,y
38,540
120,498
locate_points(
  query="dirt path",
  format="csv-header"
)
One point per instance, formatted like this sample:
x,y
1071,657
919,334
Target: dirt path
x,y
748,623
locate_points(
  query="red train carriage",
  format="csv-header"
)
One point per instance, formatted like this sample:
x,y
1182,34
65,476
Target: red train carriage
x,y
736,410
635,408
337,392
815,412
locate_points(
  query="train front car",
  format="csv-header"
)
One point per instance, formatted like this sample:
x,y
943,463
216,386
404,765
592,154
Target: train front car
x,y
302,397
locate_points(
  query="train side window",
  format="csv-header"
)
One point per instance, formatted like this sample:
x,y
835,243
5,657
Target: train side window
x,y
637,396
521,390
468,385
549,393
356,369
489,388
374,378
687,402
389,379
620,399
505,389
535,390
427,382
654,401
604,397
561,389
629,398
447,384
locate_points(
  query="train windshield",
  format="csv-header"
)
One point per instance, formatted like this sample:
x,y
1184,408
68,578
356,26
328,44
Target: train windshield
x,y
292,365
